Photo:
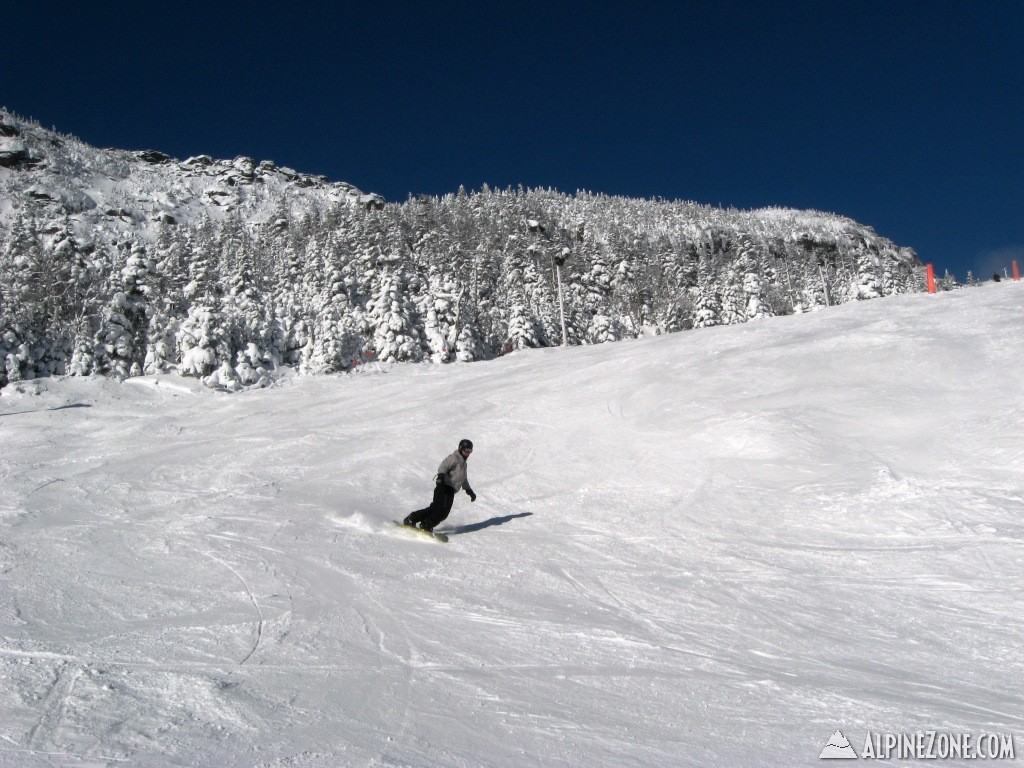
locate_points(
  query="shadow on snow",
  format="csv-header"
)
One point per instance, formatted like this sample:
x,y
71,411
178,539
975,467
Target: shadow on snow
x,y
471,528
40,410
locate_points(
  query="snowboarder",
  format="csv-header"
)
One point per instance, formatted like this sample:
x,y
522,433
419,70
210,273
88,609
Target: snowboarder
x,y
451,476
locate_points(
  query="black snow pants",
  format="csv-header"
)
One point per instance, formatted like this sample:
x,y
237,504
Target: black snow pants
x,y
440,507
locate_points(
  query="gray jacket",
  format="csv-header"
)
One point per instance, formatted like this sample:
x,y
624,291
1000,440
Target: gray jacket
x,y
453,472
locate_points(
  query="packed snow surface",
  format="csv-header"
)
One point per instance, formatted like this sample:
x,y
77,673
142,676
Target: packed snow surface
x,y
706,549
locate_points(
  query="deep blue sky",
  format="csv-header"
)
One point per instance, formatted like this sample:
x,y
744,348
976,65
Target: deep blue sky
x,y
908,116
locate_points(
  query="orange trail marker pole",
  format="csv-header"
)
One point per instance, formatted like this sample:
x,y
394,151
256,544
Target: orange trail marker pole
x,y
1016,272
931,278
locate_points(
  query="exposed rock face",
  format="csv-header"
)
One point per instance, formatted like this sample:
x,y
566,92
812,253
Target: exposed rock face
x,y
107,192
152,156
12,154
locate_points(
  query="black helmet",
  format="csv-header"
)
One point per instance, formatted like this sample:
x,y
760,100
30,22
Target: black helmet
x,y
466,445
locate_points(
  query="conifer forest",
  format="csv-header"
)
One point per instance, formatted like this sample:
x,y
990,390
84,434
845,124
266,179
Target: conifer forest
x,y
252,269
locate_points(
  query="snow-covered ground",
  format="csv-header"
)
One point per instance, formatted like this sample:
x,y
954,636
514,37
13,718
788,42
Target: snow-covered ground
x,y
707,549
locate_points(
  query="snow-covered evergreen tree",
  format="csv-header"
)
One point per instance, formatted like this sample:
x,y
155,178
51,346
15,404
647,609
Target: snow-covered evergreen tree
x,y
395,338
121,339
706,305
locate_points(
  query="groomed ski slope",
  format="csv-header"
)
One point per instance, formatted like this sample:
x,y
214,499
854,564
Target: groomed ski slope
x,y
705,549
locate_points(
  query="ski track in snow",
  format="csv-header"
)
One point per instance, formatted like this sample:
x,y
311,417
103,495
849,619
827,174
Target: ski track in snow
x,y
53,707
708,549
255,605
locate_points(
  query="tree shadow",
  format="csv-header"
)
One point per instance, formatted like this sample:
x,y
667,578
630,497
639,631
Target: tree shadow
x,y
473,527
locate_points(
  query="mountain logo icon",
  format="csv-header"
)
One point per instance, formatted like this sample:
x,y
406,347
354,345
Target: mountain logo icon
x,y
838,748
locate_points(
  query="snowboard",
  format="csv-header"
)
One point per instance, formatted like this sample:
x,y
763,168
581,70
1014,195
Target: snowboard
x,y
420,532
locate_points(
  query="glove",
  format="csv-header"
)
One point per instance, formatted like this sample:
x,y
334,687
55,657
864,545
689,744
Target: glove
x,y
439,479
472,496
